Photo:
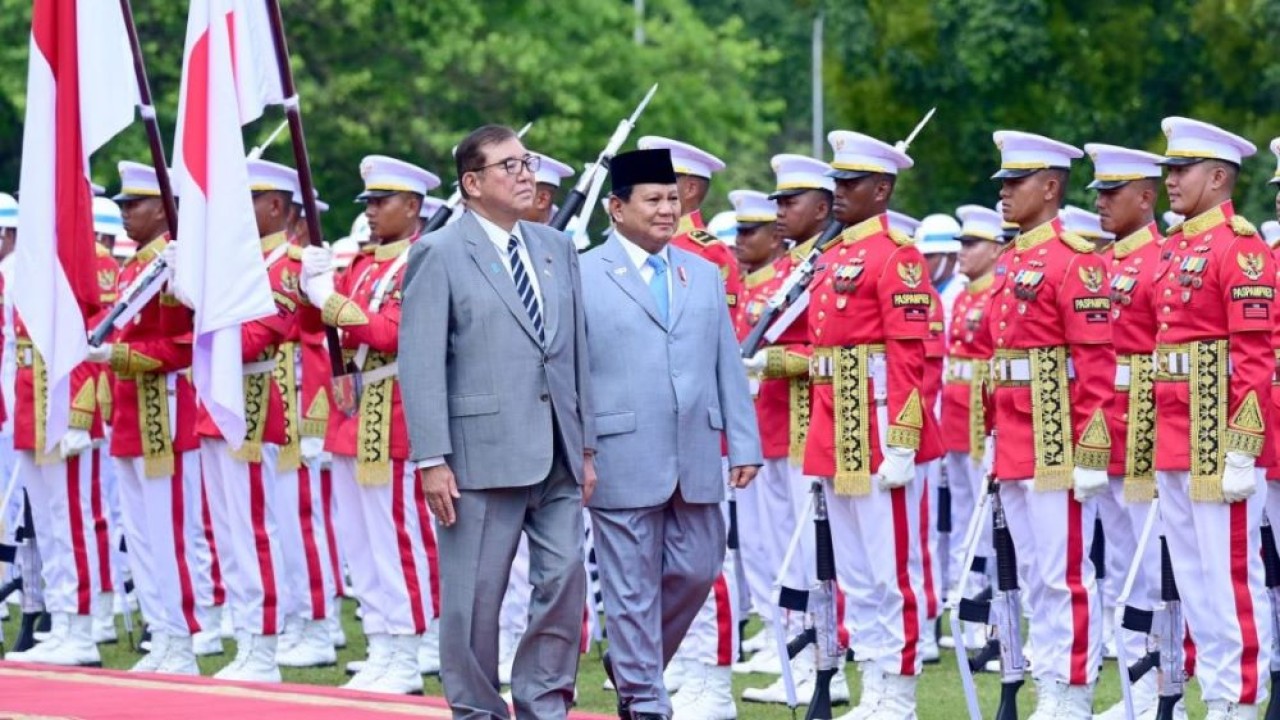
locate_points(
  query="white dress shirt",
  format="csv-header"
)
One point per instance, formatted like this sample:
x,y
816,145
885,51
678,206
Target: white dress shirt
x,y
500,238
639,257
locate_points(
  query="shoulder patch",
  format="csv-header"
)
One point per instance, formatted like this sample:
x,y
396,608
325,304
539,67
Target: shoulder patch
x,y
1241,226
900,237
1077,243
702,237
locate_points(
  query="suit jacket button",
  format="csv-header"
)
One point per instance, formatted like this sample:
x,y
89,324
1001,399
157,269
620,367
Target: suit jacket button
x,y
544,397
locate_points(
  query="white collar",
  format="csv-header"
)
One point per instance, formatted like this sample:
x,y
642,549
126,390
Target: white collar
x,y
639,255
497,235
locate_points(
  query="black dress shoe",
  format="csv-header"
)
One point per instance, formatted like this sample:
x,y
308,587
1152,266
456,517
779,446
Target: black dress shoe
x,y
650,716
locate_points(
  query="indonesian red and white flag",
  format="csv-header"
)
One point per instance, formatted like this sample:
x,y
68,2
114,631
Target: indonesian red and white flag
x,y
80,92
228,77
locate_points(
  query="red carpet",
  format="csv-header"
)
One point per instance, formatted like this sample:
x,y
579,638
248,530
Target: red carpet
x,y
38,692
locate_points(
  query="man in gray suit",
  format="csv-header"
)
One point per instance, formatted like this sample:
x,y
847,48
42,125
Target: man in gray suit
x,y
494,377
667,383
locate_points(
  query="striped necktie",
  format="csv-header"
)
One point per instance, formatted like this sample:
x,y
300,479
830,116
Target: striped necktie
x,y
524,288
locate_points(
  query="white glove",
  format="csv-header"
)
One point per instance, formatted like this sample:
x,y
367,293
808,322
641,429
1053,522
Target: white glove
x,y
74,442
1239,480
756,363
318,288
316,261
312,448
898,467
1089,482
170,256
99,354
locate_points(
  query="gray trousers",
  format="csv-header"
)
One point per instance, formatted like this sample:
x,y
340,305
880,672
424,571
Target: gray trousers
x,y
657,565
475,562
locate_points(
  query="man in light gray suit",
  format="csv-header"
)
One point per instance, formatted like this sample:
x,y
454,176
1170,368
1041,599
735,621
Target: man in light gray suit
x,y
667,383
494,375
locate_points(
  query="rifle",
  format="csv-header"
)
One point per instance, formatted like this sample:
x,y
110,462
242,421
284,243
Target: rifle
x,y
735,546
1168,630
1134,619
792,298
822,602
1003,612
577,198
134,298
971,610
442,214
1271,565
944,527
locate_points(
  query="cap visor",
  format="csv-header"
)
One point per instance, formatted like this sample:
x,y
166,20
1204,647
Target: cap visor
x,y
973,239
742,227
126,197
1107,184
789,192
1010,174
1179,161
367,194
1274,181
846,174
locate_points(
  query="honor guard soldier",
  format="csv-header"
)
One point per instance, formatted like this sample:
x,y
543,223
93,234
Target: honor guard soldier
x,y
60,488
1054,376
1215,291
803,193
312,574
381,509
936,239
1087,225
547,179
1128,186
241,484
969,352
1271,236
154,444
694,168
868,320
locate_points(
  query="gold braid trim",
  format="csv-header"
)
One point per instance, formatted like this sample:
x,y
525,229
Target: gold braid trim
x,y
775,360
286,377
125,361
315,422
83,406
339,311
105,399
799,401
373,439
1140,432
1051,418
1246,427
904,431
852,421
977,411
153,426
1209,391
40,386
257,400
1093,450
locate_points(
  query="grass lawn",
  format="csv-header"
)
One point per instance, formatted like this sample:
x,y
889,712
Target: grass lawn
x,y
940,695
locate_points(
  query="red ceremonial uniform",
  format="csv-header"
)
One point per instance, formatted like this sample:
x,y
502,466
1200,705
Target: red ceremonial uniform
x,y
260,341
1273,471
1133,262
969,355
315,366
374,439
1050,318
1215,291
691,235
870,296
156,342
935,354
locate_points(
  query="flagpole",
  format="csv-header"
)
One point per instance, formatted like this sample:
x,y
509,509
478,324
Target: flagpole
x,y
301,159
148,112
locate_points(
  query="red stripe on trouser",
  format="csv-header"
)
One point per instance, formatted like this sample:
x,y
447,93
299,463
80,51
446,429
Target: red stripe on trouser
x,y
262,544
930,597
910,605
79,553
177,515
405,546
215,568
315,575
1244,603
326,497
1189,653
724,622
429,543
100,531
842,629
1079,596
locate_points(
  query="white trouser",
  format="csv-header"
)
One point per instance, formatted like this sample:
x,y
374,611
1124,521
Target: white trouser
x,y
1123,522
964,479
1052,534
880,569
168,555
388,538
930,476
712,639
513,618
309,580
1215,550
242,503
61,494
766,522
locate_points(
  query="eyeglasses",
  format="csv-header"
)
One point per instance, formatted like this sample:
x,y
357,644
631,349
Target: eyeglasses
x,y
512,165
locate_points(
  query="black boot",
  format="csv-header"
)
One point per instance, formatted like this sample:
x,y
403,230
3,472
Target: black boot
x,y
27,632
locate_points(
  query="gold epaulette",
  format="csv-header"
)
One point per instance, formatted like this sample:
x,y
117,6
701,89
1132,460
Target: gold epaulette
x,y
1241,226
702,237
1077,243
900,237
1175,228
295,252
102,251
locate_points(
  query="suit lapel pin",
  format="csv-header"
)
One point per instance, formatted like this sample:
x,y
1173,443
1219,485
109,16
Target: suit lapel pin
x,y
546,271
684,279
619,271
493,267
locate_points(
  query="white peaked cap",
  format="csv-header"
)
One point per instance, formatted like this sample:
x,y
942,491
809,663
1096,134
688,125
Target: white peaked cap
x,y
686,159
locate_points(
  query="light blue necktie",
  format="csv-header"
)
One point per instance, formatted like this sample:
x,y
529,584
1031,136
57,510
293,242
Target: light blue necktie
x,y
658,284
